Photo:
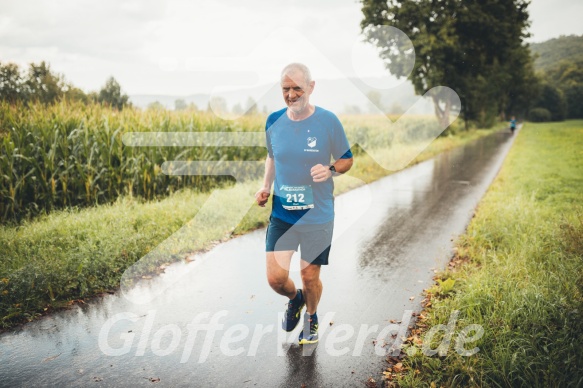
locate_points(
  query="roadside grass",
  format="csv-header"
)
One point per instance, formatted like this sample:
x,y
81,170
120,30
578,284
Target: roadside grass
x,y
518,273
56,259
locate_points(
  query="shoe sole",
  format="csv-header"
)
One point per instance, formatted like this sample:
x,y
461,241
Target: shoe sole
x,y
306,342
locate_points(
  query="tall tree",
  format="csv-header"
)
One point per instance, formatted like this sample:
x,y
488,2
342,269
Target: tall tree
x,y
430,29
574,97
250,106
44,85
238,109
112,95
180,104
73,93
474,47
568,77
552,99
374,101
12,83
217,105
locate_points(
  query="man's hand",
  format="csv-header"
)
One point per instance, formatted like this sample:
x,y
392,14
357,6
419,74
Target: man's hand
x,y
261,196
320,173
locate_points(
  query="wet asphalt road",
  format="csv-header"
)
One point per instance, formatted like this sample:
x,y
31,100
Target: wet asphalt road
x,y
217,321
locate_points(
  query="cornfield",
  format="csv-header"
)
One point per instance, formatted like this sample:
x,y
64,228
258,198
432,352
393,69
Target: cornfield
x,y
71,154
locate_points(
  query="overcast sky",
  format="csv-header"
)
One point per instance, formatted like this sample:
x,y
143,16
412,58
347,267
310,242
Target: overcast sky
x,y
184,47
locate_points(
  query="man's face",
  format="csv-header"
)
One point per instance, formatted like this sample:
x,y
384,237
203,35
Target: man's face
x,y
296,92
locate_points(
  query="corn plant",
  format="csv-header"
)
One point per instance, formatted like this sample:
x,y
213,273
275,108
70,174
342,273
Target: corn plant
x,y
71,154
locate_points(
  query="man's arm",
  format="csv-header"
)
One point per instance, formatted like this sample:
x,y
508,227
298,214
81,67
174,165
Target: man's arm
x,y
343,165
320,173
262,195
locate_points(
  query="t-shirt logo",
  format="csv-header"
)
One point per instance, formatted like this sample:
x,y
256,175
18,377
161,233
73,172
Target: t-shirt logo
x,y
312,142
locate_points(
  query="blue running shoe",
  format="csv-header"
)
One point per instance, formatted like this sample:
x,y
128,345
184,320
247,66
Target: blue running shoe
x,y
293,312
309,334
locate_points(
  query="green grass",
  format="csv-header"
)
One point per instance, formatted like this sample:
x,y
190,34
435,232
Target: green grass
x,y
518,273
76,253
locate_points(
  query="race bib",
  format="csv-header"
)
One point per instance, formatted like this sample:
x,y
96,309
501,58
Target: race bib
x,y
297,197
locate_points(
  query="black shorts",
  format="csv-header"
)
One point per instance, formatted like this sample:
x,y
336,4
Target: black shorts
x,y
313,240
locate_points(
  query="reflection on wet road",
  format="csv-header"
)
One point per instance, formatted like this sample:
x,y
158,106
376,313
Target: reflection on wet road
x,y
217,321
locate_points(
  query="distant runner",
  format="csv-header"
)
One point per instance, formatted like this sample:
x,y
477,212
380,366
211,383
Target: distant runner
x,y
512,124
302,140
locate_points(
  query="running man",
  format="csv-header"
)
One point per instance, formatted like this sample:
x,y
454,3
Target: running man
x,y
512,124
306,146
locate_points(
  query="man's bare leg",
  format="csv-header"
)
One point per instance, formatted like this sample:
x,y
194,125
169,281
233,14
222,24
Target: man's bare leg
x,y
312,286
278,273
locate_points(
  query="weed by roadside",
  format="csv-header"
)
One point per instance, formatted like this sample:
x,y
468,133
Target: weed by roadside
x,y
517,274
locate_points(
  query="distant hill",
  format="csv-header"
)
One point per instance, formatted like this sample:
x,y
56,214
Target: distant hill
x,y
337,95
552,51
349,95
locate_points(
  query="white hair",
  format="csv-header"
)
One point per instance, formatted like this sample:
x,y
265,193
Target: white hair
x,y
292,67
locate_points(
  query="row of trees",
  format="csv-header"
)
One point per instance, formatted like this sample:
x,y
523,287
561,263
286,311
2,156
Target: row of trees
x,y
567,77
559,63
219,105
216,104
475,47
40,83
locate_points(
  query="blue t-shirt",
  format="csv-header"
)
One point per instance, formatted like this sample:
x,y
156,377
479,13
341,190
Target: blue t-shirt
x,y
297,146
